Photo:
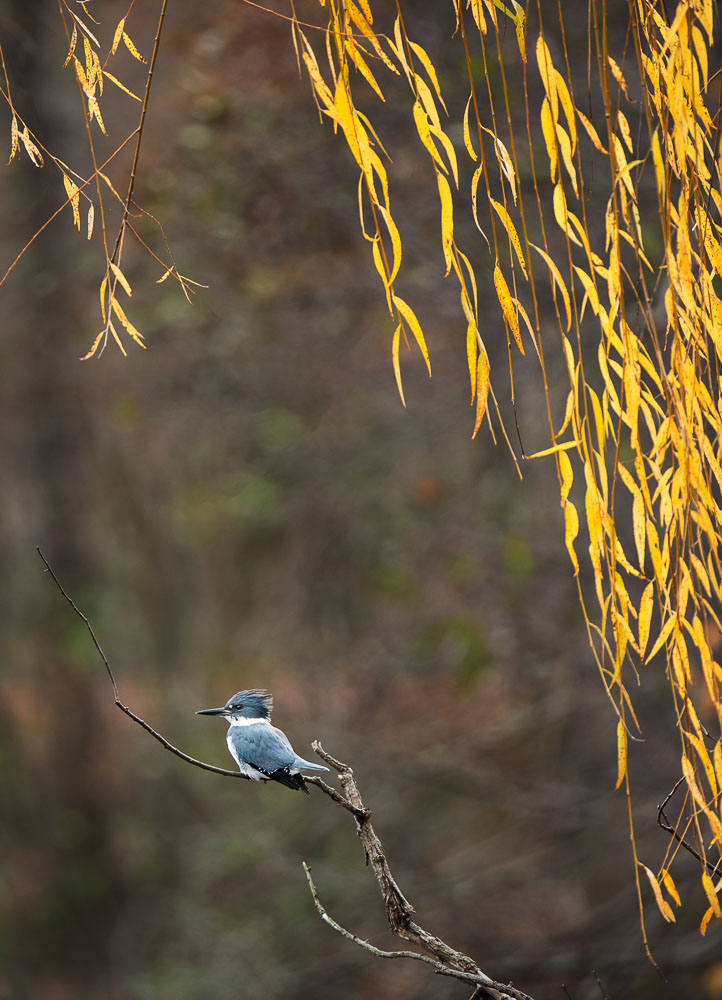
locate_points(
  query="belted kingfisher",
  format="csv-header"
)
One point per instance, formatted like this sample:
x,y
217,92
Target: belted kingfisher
x,y
261,751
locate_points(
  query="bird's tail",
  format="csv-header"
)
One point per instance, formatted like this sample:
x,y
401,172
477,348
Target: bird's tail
x,y
306,765
294,781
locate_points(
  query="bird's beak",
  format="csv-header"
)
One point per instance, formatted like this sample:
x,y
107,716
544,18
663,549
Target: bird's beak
x,y
211,711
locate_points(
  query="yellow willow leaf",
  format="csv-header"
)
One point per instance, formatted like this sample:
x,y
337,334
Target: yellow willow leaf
x,y
507,306
701,574
664,908
363,67
363,23
427,100
712,247
447,220
421,121
558,281
624,131
705,920
14,134
116,338
73,42
704,13
467,135
670,886
395,358
717,755
561,214
398,47
478,13
71,190
659,168
117,36
706,760
103,286
571,530
591,132
472,353
511,232
94,112
507,167
593,506
472,279
689,777
664,634
546,71
319,84
568,411
565,469
128,42
94,347
118,84
520,28
474,186
521,311
121,278
566,103
700,48
619,77
395,242
430,71
89,61
409,315
482,389
556,449
646,606
711,894
363,4
566,152
381,268
30,148
639,523
135,334
590,292
550,138
449,149
91,218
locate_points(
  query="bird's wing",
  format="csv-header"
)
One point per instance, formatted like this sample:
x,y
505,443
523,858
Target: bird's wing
x,y
262,746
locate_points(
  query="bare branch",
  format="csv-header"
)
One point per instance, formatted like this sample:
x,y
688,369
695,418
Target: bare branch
x,y
443,970
441,957
398,909
116,696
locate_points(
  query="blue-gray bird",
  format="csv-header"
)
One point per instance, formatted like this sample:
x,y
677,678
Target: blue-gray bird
x,y
261,751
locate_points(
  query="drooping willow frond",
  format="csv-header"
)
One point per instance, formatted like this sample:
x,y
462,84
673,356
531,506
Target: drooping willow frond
x,y
643,417
636,293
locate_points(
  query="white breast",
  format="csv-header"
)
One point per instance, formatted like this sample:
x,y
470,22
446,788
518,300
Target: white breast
x,y
243,766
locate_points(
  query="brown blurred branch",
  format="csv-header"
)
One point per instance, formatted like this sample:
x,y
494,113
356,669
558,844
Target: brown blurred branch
x,y
445,961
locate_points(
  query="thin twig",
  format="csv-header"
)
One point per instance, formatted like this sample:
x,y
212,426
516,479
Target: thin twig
x,y
664,823
443,970
116,696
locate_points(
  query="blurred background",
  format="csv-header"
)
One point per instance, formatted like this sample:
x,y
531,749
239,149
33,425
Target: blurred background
x,y
248,504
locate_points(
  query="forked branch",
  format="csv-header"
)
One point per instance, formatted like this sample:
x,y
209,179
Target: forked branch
x,y
444,960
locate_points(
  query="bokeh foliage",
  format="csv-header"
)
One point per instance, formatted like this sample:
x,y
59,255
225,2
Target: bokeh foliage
x,y
633,401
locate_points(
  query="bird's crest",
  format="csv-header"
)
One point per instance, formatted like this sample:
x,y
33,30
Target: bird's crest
x,y
255,700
